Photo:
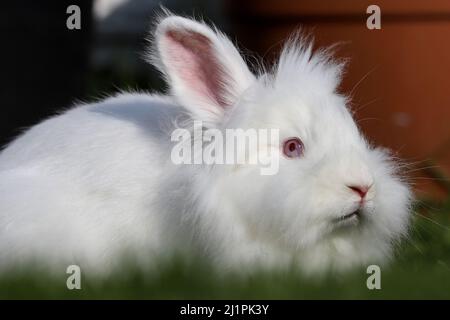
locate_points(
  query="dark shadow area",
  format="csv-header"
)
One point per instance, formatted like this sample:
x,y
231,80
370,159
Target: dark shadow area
x,y
44,64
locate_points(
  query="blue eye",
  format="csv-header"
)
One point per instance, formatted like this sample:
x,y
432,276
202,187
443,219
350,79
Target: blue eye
x,y
293,148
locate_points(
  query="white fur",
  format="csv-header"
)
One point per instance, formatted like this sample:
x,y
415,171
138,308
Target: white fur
x,y
96,182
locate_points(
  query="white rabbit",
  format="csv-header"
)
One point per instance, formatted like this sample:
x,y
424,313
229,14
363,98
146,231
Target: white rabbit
x,y
96,182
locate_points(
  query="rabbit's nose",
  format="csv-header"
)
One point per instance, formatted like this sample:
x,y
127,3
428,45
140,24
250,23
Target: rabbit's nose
x,y
360,189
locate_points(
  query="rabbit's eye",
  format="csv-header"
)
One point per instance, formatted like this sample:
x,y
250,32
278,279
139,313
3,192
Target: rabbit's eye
x,y
293,148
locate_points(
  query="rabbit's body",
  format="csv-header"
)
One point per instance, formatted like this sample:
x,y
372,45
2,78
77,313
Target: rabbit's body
x,y
84,194
74,188
98,181
74,194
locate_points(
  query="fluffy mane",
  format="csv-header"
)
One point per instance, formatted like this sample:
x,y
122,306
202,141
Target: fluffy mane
x,y
301,66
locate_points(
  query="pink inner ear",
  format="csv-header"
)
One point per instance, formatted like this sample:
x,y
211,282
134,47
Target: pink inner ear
x,y
192,57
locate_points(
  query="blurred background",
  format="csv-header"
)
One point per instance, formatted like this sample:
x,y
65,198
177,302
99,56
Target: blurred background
x,y
398,77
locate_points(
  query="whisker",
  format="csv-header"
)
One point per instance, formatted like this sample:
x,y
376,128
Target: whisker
x,y
428,178
415,246
365,105
427,204
422,168
432,221
362,79
365,119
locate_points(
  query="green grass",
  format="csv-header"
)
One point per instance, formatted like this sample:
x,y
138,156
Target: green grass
x,y
421,270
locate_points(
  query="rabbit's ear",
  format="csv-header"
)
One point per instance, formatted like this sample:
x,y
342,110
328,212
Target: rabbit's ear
x,y
205,72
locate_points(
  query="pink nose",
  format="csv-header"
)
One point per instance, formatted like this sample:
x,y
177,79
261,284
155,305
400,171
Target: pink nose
x,y
361,190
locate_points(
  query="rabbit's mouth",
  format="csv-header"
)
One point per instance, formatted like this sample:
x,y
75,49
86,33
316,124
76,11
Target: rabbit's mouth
x,y
353,216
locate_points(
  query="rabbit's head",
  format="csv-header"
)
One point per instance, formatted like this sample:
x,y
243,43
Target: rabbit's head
x,y
333,196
